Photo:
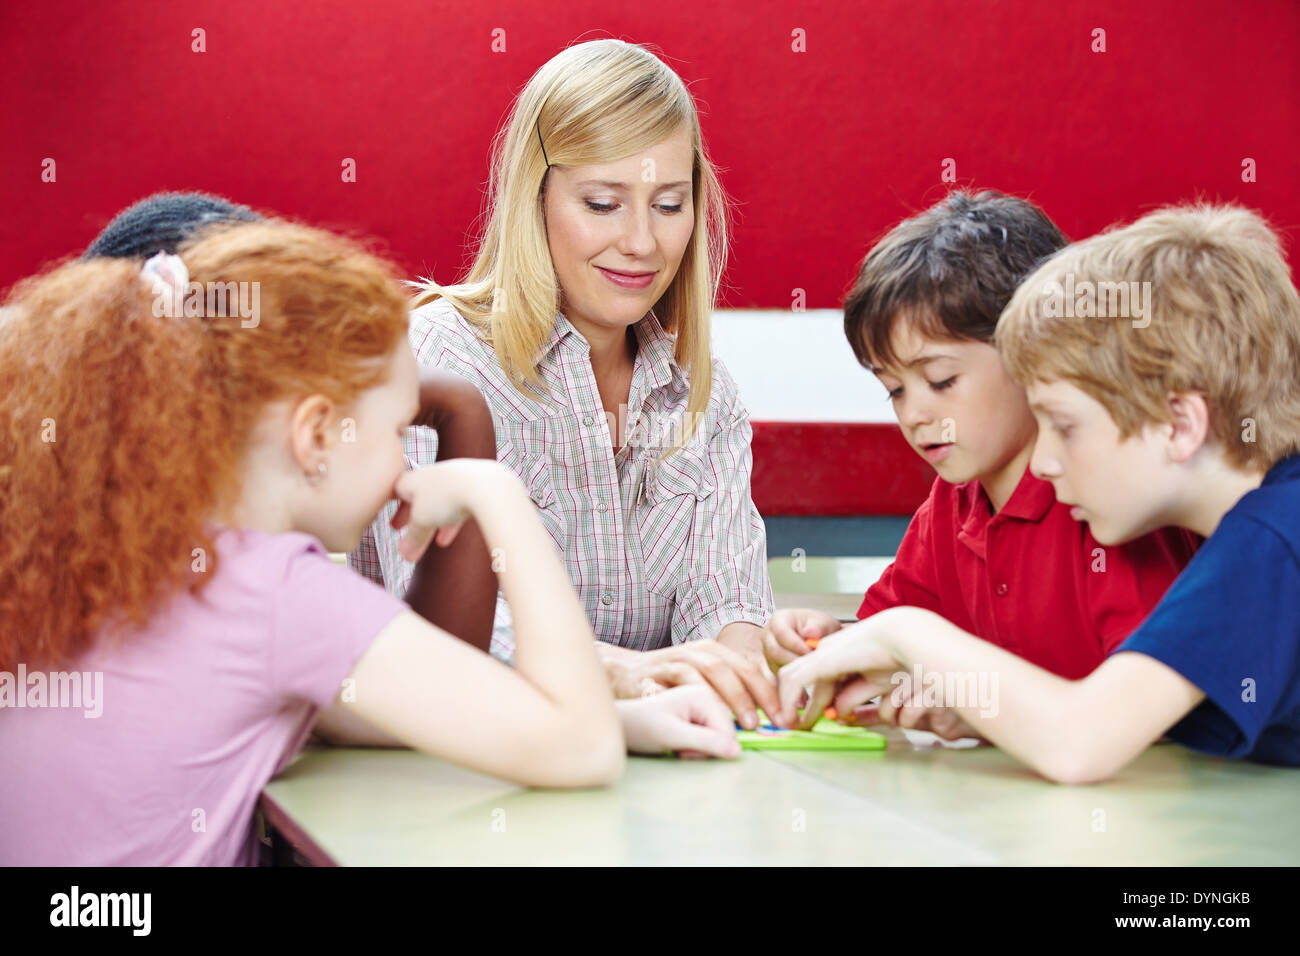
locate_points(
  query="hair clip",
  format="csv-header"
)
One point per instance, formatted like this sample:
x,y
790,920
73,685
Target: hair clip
x,y
539,140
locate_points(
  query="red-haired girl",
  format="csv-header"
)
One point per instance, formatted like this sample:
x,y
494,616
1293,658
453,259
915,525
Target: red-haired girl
x,y
170,484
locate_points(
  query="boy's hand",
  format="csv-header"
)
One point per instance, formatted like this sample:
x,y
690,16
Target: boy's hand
x,y
943,722
743,684
904,705
787,633
850,667
688,719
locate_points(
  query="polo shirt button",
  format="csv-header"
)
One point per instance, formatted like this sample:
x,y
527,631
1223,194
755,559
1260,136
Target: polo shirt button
x,y
1002,590
607,599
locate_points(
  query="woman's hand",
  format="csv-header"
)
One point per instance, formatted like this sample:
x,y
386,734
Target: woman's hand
x,y
787,634
690,720
743,684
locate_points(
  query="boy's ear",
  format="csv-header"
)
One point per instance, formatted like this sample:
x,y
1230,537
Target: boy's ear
x,y
1189,424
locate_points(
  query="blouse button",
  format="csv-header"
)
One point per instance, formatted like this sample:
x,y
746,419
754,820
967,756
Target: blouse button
x,y
587,420
1002,590
607,599
600,506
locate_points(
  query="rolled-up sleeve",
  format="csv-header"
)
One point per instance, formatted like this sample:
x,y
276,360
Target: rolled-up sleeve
x,y
725,575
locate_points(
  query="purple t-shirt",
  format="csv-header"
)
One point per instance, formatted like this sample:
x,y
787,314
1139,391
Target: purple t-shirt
x,y
195,713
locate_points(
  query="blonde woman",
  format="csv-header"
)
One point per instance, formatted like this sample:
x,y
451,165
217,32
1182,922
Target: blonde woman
x,y
585,323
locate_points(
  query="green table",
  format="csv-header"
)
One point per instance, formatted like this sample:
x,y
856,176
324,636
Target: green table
x,y
906,805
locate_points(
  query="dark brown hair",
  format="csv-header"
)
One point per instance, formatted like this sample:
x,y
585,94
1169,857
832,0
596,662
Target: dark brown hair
x,y
949,270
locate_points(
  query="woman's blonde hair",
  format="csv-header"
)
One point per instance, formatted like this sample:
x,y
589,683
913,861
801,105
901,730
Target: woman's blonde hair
x,y
1222,320
595,102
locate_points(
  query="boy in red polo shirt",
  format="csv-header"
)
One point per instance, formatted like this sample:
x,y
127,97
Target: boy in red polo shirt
x,y
991,549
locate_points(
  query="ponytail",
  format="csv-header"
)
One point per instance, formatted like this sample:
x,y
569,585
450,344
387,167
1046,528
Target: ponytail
x,y
105,478
123,432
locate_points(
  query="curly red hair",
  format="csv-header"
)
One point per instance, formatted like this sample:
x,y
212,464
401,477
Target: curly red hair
x,y
122,433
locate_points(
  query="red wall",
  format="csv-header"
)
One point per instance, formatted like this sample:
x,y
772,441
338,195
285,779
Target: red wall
x,y
822,149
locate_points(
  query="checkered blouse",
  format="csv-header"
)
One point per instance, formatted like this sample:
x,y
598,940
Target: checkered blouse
x,y
659,553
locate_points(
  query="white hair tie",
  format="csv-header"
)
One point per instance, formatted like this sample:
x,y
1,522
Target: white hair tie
x,y
170,280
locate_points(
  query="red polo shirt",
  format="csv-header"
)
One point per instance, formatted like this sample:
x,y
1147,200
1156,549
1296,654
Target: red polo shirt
x,y
1030,578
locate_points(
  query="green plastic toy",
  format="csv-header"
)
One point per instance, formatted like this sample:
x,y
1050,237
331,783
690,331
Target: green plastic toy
x,y
825,735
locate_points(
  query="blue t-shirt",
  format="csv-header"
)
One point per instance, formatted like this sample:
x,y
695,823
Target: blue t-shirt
x,y
1230,624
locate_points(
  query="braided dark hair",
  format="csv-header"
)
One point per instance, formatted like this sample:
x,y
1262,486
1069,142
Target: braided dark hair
x,y
161,222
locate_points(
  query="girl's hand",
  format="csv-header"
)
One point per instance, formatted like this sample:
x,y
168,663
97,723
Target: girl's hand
x,y
691,719
849,666
437,499
787,633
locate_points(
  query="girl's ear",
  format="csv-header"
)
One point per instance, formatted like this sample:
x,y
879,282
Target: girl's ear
x,y
1189,424
310,433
